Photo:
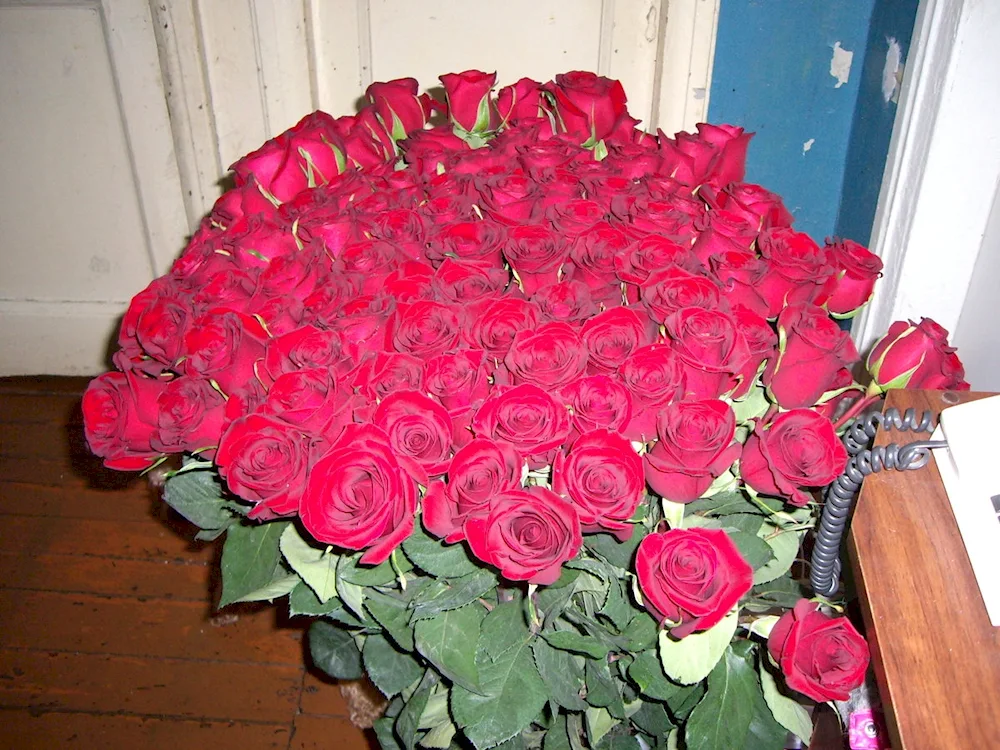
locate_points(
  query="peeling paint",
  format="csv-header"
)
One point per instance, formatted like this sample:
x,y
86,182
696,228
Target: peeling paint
x,y
699,93
892,73
807,145
840,64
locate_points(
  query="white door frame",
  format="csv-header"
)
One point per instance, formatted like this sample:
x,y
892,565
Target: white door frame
x,y
942,169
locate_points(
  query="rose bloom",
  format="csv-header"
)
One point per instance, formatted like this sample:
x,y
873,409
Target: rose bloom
x,y
798,449
691,578
822,657
916,355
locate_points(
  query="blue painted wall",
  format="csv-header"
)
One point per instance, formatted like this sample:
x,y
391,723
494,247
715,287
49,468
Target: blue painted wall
x,y
772,76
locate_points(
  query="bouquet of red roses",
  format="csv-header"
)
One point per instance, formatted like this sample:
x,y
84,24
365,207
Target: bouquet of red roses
x,y
525,405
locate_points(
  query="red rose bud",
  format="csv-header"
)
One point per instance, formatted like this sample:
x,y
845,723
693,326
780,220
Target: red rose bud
x,y
479,470
798,449
520,101
468,97
695,446
398,107
691,578
812,352
120,419
822,657
528,535
916,355
358,497
858,270
588,106
602,478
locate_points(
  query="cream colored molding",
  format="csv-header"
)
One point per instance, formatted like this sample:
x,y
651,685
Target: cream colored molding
x,y
685,68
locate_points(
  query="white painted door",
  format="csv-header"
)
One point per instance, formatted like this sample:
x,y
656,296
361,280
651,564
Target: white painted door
x,y
119,119
91,205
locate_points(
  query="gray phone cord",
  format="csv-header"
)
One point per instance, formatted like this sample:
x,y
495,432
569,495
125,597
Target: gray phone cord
x,y
824,573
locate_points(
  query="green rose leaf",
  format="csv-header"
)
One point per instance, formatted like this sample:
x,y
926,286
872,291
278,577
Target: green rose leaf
x,y
690,659
351,594
334,651
781,592
448,641
282,584
602,689
732,690
784,546
557,738
408,722
567,640
646,672
562,673
456,593
653,719
250,557
641,632
384,734
722,504
619,554
437,558
513,693
303,601
393,614
391,670
318,567
599,723
198,496
791,714
752,548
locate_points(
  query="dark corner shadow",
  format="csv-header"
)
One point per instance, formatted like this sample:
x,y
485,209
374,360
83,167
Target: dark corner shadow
x,y
361,690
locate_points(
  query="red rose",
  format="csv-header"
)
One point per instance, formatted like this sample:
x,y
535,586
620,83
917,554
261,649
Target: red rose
x,y
120,419
191,416
858,270
528,418
761,207
822,657
224,346
916,355
398,106
536,254
602,477
729,162
740,273
304,348
230,290
813,351
474,241
511,198
799,448
468,98
459,281
695,446
550,356
312,401
479,470
388,372
597,402
723,231
762,342
266,462
419,433
358,497
691,578
611,336
410,282
670,289
371,261
404,226
593,255
161,326
457,380
798,269
494,323
711,349
527,535
654,376
565,301
575,217
589,106
646,256
520,101
425,328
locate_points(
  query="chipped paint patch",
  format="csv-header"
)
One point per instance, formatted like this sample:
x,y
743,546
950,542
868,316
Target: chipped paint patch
x,y
892,73
807,145
699,93
840,64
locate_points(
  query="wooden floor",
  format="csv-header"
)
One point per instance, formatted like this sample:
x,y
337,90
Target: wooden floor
x,y
108,637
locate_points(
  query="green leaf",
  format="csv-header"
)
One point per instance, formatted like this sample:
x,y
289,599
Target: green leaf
x,y
504,629
752,548
249,559
556,738
641,632
753,405
724,503
567,640
599,723
303,601
513,693
646,672
436,557
440,736
673,513
791,714
384,734
457,593
617,607
784,546
408,721
448,641
318,567
653,719
391,613
690,659
781,592
379,575
334,651
391,670
282,584
351,594
732,689
602,688
198,496
619,554
562,674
